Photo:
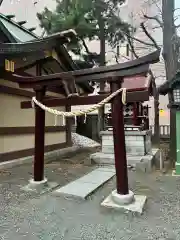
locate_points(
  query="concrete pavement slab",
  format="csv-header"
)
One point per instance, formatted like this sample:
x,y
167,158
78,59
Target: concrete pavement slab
x,y
84,186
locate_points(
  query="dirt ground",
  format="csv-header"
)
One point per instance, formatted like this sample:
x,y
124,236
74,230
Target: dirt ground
x,y
63,171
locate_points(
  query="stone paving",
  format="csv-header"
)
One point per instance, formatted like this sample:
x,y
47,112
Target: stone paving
x,y
48,217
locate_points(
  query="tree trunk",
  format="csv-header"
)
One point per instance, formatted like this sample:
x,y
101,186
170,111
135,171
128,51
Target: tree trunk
x,y
66,5
101,24
171,62
168,33
156,116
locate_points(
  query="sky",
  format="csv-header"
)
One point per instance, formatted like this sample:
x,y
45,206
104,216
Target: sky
x,y
177,5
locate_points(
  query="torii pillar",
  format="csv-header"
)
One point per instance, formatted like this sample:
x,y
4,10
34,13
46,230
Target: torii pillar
x,y
39,183
119,141
122,197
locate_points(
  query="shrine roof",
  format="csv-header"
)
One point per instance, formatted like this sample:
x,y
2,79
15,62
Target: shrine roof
x,y
22,41
14,31
138,83
18,42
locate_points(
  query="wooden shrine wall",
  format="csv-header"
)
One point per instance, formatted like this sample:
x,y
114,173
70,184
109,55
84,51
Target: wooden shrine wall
x,y
17,125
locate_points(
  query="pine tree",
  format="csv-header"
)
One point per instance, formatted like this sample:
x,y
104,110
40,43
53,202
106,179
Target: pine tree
x,y
91,19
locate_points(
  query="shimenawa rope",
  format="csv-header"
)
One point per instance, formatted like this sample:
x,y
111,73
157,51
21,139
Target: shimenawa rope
x,y
81,112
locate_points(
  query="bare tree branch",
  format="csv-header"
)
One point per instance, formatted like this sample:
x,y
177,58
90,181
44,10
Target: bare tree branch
x,y
156,27
177,26
132,47
157,4
138,40
117,58
176,9
43,33
149,36
176,17
154,18
85,46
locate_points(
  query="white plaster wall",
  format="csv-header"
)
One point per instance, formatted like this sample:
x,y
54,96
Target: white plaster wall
x,y
13,116
21,142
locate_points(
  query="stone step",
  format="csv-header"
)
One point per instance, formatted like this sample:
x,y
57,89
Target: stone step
x,y
108,158
143,163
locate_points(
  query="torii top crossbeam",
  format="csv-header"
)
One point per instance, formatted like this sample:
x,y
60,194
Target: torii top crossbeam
x,y
138,66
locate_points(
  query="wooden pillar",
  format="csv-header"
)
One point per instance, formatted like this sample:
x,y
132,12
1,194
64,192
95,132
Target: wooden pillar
x,y
39,138
135,114
119,141
147,118
68,127
39,132
141,112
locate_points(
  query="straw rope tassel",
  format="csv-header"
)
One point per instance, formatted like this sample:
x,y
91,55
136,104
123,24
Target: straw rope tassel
x,y
85,118
64,121
55,121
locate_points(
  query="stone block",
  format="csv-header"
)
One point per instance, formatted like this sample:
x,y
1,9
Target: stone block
x,y
128,150
129,138
107,137
140,138
107,142
137,206
108,159
136,151
141,163
102,158
146,164
148,145
108,149
129,143
142,167
40,187
133,160
156,153
138,143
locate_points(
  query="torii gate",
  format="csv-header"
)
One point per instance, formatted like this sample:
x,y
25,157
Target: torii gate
x,y
114,75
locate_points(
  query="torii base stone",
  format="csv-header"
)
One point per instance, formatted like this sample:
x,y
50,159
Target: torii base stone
x,y
125,203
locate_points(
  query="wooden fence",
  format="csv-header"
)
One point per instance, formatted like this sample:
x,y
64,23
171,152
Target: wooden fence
x,y
164,131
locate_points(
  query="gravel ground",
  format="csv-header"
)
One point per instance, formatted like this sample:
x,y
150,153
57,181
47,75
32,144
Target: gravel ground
x,y
83,141
46,217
